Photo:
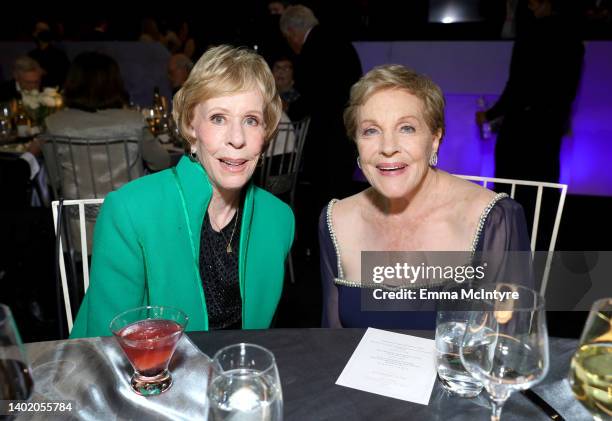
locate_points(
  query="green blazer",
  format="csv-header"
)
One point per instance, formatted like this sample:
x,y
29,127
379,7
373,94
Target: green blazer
x,y
147,246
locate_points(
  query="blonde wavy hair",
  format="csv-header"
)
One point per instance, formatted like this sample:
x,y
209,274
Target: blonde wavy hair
x,y
396,76
225,70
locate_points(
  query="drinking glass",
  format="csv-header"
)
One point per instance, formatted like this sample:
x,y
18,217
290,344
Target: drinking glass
x,y
506,342
152,118
148,336
591,368
15,375
244,385
5,120
450,328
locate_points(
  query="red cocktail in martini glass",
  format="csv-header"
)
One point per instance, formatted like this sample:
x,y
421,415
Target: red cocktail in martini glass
x,y
148,336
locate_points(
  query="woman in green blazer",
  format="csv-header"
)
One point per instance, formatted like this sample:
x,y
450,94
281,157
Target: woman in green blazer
x,y
200,237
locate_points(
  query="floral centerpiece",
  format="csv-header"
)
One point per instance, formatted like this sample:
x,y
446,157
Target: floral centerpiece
x,y
39,105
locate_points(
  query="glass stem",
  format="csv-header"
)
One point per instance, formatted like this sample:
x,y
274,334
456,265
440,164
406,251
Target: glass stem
x,y
496,409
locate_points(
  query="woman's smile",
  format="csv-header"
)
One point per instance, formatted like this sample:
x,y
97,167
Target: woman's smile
x,y
391,169
233,165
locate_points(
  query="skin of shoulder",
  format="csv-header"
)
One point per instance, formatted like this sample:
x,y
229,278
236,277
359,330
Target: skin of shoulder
x,y
348,210
456,205
468,197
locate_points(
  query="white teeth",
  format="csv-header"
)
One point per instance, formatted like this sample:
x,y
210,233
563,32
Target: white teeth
x,y
230,163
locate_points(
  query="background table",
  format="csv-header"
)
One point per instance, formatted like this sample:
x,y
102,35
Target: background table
x,y
12,144
309,362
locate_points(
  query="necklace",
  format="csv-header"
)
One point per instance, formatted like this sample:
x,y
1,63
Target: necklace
x,y
228,249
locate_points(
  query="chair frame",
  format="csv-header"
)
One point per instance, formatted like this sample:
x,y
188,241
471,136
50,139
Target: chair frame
x,y
80,204
536,215
57,182
300,129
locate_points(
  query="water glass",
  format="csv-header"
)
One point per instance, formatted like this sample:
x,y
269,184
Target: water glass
x,y
244,385
450,329
148,336
505,345
591,368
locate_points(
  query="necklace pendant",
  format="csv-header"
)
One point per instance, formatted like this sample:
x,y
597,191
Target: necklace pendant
x,y
228,250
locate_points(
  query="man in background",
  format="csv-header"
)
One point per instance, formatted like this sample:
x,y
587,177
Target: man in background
x,y
27,76
536,103
326,67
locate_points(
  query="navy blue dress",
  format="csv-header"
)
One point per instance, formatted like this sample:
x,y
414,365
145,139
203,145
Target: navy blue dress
x,y
503,229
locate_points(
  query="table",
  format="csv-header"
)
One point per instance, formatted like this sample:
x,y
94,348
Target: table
x,y
12,144
309,362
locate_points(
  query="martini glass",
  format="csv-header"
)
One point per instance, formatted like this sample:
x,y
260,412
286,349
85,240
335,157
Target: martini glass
x,y
148,336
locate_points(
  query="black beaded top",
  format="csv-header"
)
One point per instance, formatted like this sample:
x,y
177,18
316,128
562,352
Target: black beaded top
x,y
219,273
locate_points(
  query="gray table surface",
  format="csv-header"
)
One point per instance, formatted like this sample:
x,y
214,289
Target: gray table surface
x,y
94,373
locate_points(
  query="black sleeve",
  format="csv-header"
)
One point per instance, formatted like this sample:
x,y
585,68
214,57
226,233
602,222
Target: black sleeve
x,y
504,245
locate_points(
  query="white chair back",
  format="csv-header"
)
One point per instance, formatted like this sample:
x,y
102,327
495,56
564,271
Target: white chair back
x,y
91,167
81,208
486,182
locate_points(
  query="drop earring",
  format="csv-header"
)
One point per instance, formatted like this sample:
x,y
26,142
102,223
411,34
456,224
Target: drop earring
x,y
358,162
433,159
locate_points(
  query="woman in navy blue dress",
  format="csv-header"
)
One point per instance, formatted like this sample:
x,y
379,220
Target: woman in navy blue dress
x,y
396,118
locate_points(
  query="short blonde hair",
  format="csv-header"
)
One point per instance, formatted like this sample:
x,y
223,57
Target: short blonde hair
x,y
225,70
395,76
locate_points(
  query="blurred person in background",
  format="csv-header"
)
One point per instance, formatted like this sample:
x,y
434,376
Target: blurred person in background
x,y
100,31
325,69
179,67
277,8
177,38
53,60
96,103
149,31
282,69
536,103
27,76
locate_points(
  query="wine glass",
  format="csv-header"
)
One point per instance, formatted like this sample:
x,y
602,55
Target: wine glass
x,y
244,384
506,342
148,336
591,368
15,376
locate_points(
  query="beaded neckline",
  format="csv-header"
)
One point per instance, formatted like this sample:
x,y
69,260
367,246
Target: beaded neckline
x,y
340,279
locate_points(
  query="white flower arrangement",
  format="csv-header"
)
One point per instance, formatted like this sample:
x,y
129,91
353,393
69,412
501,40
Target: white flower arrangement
x,y
40,104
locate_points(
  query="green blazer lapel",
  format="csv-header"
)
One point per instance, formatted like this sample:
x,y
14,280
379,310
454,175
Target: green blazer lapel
x,y
245,231
197,191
